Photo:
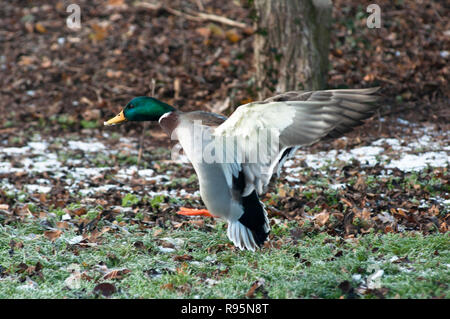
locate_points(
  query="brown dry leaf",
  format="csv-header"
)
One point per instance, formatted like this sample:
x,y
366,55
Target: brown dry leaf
x,y
216,30
46,62
322,218
96,234
40,28
249,30
113,74
388,229
168,286
398,211
360,183
346,202
338,216
106,289
52,234
184,257
204,32
62,225
99,32
115,2
182,269
365,214
225,62
369,77
157,232
42,198
233,36
116,273
256,285
246,100
15,245
80,211
26,60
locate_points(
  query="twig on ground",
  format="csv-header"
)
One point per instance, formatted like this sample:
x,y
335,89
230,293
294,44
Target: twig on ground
x,y
194,16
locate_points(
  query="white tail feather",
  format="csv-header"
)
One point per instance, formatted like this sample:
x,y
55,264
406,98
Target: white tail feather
x,y
241,236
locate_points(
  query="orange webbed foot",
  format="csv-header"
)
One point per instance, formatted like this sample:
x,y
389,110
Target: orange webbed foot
x,y
194,212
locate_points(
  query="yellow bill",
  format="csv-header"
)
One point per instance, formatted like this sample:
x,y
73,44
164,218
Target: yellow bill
x,y
119,118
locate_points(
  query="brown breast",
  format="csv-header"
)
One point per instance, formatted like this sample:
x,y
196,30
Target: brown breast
x,y
169,122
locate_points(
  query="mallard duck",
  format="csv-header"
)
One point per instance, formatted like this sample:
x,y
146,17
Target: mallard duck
x,y
235,157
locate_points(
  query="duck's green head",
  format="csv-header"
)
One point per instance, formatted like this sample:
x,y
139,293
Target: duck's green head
x,y
141,108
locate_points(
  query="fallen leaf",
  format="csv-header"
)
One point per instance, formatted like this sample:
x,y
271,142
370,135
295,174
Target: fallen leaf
x,y
255,286
204,32
233,36
168,286
106,289
40,28
52,234
80,211
116,273
322,218
184,257
62,225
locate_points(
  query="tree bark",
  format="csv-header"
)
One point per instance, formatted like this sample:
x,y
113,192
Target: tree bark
x,y
291,45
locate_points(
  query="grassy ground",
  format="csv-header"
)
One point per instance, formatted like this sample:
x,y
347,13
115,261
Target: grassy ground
x,y
201,265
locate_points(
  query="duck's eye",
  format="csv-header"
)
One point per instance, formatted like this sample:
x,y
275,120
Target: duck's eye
x,y
130,106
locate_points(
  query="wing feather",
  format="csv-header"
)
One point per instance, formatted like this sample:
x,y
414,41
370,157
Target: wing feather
x,y
291,119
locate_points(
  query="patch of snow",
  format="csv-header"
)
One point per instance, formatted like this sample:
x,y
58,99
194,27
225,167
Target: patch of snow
x,y
413,162
75,240
338,186
45,165
38,147
100,189
16,150
356,277
38,188
166,249
292,179
146,172
86,147
363,154
393,259
373,281
73,162
402,121
394,143
87,171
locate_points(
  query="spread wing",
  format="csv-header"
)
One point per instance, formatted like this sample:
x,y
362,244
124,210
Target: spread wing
x,y
262,131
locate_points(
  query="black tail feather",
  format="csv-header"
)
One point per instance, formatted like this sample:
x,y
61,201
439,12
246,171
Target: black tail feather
x,y
255,218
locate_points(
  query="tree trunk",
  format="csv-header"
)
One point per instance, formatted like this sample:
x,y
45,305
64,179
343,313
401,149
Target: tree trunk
x,y
291,45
